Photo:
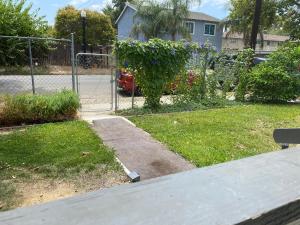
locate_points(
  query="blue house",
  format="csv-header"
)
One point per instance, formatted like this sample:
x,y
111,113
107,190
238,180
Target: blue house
x,y
202,27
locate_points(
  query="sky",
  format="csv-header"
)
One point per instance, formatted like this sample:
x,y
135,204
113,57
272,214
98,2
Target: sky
x,y
48,8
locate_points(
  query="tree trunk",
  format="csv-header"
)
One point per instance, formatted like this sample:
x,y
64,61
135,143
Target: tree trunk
x,y
255,25
173,36
261,34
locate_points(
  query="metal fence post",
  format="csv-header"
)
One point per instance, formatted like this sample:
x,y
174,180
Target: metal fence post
x,y
31,66
132,93
76,73
73,61
116,85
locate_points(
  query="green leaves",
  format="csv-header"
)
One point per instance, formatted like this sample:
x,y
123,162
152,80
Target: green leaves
x,y
241,17
99,27
277,79
154,64
272,84
18,19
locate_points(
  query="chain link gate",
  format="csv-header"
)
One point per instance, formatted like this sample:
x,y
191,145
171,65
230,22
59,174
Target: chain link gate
x,y
95,81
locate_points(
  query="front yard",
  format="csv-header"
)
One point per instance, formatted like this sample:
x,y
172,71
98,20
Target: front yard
x,y
207,137
50,161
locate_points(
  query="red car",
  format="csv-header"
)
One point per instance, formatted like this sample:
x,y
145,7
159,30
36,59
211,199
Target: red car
x,y
125,82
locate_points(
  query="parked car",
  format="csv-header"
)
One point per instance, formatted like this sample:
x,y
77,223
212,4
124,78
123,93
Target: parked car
x,y
258,60
126,82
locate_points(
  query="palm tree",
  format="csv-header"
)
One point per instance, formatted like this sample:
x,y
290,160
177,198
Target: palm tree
x,y
178,11
151,19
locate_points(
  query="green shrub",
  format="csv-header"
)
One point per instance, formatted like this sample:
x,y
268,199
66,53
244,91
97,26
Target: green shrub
x,y
23,109
155,64
287,57
278,79
272,84
224,73
242,68
188,87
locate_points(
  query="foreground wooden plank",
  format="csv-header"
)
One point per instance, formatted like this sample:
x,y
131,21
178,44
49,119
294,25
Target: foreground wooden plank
x,y
264,189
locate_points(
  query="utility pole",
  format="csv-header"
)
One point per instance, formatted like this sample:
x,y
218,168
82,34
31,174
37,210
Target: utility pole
x,y
255,24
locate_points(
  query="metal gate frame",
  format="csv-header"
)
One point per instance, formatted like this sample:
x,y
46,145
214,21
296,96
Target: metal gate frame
x,y
112,77
30,39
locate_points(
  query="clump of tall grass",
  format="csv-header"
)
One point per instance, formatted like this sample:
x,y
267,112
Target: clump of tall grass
x,y
28,108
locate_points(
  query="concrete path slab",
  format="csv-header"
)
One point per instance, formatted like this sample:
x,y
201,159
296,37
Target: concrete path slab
x,y
137,150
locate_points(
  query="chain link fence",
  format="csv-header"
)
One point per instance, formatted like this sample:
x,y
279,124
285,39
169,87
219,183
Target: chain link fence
x,y
44,65
36,65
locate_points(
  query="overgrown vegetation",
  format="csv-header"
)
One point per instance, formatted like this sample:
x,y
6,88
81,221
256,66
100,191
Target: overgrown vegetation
x,y
196,82
154,64
50,151
278,79
204,104
275,80
213,136
19,19
28,108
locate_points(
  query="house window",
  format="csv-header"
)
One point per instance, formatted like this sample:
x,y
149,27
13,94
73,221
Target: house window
x,y
268,43
209,29
190,27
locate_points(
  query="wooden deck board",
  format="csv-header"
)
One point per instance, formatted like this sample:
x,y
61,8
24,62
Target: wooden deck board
x,y
246,191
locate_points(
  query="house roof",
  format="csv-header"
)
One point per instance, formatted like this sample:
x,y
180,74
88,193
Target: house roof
x,y
127,4
267,37
192,16
202,16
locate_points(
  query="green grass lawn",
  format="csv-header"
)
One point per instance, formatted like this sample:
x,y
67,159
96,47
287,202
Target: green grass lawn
x,y
58,150
207,137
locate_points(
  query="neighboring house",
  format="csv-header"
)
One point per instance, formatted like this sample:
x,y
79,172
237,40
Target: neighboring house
x,y
235,41
203,28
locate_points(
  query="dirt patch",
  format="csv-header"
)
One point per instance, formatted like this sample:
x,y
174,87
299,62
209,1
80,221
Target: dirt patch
x,y
40,190
44,191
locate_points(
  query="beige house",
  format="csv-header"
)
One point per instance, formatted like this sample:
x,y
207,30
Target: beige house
x,y
235,42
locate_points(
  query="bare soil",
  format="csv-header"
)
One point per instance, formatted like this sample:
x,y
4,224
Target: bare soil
x,y
40,190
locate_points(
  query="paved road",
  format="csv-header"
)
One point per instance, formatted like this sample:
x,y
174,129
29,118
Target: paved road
x,y
96,91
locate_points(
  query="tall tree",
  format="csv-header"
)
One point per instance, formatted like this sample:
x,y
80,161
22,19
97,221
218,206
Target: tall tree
x,y
255,24
289,11
241,15
157,17
151,18
99,27
178,11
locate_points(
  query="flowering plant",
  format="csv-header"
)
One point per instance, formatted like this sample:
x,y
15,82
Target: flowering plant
x,y
154,64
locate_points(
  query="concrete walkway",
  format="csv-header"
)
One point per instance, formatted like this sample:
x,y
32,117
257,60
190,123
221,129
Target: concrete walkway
x,y
137,150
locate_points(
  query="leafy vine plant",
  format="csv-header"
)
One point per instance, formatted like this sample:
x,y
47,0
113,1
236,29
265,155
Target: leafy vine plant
x,y
155,64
